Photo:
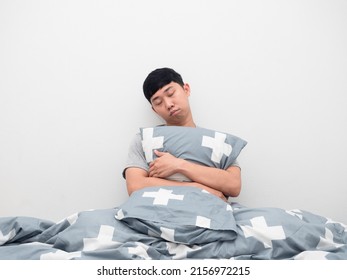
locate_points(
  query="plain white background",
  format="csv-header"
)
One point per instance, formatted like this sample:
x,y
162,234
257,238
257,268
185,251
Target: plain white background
x,y
271,72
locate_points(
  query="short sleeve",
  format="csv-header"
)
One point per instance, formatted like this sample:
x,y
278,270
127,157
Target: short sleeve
x,y
136,157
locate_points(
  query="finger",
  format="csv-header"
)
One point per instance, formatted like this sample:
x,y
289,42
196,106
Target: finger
x,y
158,153
151,173
151,170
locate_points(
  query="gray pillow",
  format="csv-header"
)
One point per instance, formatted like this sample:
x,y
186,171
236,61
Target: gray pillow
x,y
199,145
185,215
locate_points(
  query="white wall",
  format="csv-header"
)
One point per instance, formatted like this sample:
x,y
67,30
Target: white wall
x,y
271,72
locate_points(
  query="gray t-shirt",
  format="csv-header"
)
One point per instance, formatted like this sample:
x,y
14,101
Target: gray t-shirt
x,y
136,156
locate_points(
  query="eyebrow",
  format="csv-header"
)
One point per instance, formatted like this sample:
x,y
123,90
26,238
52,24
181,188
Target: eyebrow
x,y
166,90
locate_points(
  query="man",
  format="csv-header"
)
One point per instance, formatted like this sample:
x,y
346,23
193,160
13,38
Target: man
x,y
169,98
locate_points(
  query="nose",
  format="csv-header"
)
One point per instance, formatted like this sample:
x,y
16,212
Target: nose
x,y
169,104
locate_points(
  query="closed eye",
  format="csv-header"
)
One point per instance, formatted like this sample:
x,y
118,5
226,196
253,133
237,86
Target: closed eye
x,y
156,100
171,92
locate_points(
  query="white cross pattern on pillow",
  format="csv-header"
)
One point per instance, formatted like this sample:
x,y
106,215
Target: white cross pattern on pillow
x,y
149,143
162,196
218,146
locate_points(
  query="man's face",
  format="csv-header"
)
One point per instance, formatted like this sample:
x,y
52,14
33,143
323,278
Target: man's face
x,y
172,104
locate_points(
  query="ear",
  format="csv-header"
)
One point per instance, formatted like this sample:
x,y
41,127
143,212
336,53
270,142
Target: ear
x,y
186,88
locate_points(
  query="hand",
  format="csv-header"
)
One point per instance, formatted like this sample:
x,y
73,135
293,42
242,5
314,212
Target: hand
x,y
164,165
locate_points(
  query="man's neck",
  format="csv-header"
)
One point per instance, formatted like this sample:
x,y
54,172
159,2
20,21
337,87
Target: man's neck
x,y
187,124
190,124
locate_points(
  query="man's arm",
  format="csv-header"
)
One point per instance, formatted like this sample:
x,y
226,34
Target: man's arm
x,y
137,178
226,181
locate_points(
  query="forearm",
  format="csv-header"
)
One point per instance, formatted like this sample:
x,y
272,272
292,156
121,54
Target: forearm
x,y
137,179
226,181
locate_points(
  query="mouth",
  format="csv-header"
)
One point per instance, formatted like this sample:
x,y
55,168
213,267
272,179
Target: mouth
x,y
174,112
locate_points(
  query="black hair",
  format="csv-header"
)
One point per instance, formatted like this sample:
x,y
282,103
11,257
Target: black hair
x,y
159,78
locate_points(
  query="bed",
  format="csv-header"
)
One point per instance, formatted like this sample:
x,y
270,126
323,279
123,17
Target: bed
x,y
164,223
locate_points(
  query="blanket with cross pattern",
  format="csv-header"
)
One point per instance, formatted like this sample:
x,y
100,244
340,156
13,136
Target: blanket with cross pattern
x,y
175,223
